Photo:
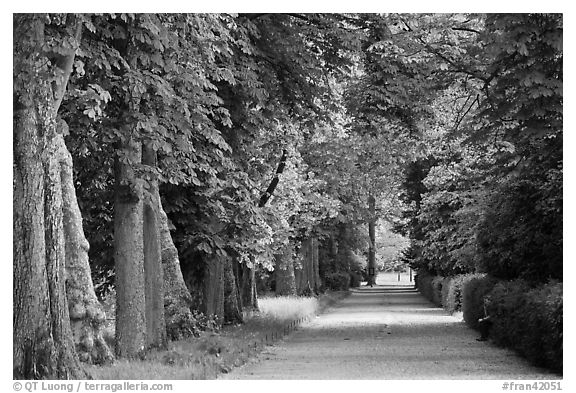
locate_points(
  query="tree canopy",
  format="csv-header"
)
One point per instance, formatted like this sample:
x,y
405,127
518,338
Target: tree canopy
x,y
266,133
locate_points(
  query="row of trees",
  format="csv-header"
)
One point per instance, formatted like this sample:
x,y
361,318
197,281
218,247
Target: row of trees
x,y
193,152
486,194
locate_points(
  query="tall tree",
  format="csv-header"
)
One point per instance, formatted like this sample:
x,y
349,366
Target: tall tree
x,y
43,56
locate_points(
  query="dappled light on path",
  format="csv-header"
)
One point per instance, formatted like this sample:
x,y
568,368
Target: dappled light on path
x,y
388,331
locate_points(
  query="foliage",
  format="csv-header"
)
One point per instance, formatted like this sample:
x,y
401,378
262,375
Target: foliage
x,y
529,320
485,194
452,302
337,281
474,292
520,234
457,117
423,281
355,279
436,285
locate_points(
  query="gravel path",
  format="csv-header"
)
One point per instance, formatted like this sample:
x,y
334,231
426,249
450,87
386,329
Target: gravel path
x,y
386,332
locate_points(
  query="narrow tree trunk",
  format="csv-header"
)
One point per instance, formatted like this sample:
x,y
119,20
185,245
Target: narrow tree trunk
x,y
129,257
372,238
177,299
87,316
248,288
213,288
284,271
315,265
232,302
153,273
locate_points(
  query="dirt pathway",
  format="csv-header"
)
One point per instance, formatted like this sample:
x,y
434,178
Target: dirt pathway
x,y
386,332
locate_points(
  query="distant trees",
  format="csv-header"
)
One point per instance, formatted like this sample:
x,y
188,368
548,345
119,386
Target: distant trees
x,y
210,151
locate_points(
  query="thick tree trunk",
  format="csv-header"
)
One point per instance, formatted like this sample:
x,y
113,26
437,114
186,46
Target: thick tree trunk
x,y
372,239
153,272
307,275
284,272
232,301
213,288
248,288
129,257
43,346
56,259
177,299
87,316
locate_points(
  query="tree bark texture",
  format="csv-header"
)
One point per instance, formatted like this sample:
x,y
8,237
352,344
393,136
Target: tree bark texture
x,y
213,288
129,257
248,288
87,316
177,300
307,274
153,271
284,272
372,239
43,345
232,300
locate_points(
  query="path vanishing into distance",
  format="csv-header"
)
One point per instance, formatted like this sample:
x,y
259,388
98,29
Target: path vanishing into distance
x,y
389,331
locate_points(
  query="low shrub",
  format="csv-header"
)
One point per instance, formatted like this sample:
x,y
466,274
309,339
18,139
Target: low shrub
x,y
337,281
424,284
355,279
474,291
528,320
437,290
452,293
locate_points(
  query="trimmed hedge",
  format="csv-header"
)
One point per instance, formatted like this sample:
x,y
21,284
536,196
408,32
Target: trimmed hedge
x,y
423,282
355,279
445,291
437,290
529,321
337,281
473,294
526,319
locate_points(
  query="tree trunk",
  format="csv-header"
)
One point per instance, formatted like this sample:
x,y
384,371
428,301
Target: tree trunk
x,y
43,345
372,239
284,271
232,301
177,300
248,288
129,256
315,264
305,274
87,316
42,337
213,288
153,273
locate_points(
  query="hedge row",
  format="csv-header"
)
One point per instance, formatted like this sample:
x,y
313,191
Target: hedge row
x,y
444,291
527,319
337,281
